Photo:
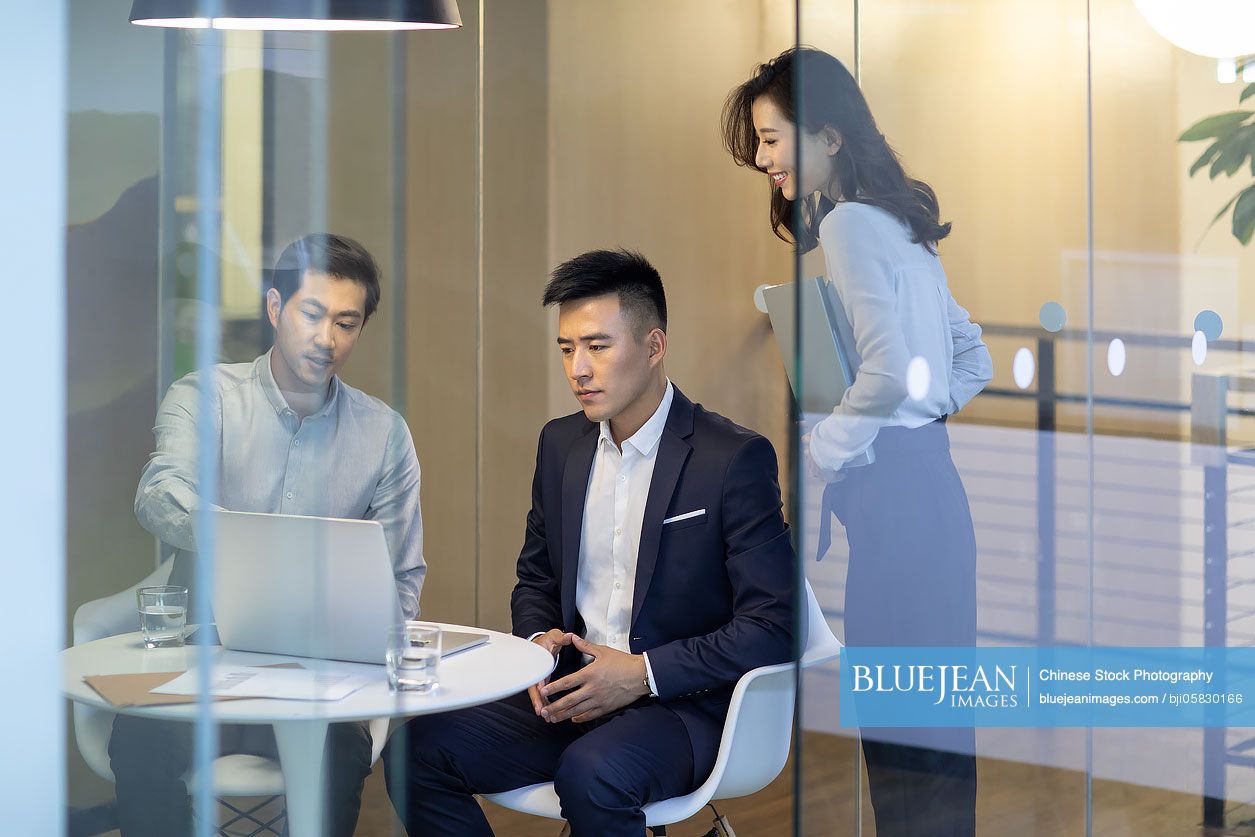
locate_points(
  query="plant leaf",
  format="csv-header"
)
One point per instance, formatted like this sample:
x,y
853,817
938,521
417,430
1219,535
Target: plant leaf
x,y
1218,216
1227,162
1244,215
1220,126
1208,156
1230,203
1247,92
1234,149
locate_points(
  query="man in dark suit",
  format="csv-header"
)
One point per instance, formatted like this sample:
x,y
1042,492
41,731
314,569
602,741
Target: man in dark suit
x,y
656,567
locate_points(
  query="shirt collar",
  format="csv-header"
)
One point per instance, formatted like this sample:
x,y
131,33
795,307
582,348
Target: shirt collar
x,y
268,384
333,392
646,439
274,395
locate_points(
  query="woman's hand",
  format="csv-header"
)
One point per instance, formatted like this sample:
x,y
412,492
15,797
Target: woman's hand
x,y
812,467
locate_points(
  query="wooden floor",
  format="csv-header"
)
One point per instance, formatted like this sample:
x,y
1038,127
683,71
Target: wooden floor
x,y
1013,799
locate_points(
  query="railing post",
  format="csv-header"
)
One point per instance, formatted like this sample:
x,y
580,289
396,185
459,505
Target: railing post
x,y
1208,438
1046,490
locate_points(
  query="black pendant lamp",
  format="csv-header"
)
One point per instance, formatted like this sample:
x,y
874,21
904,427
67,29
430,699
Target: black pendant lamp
x,y
299,15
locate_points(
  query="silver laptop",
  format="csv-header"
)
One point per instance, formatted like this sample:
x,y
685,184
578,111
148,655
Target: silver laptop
x,y
829,358
308,587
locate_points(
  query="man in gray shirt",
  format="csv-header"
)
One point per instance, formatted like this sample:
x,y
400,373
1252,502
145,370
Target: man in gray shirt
x,y
290,438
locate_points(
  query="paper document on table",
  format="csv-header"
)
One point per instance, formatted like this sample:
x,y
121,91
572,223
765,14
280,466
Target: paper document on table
x,y
254,682
136,689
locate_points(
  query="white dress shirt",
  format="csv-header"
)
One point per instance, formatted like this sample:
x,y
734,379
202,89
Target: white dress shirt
x,y
354,458
614,509
895,296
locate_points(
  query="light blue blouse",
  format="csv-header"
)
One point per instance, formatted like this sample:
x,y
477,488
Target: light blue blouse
x,y
903,316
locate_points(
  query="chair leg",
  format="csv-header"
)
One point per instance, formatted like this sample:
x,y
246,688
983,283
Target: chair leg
x,y
721,828
251,817
566,830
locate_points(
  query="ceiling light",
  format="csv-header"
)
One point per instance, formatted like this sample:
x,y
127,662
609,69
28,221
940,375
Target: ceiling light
x,y
1214,28
299,15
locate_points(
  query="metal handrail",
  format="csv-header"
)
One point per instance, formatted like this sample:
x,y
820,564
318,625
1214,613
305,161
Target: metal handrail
x,y
1046,391
1209,410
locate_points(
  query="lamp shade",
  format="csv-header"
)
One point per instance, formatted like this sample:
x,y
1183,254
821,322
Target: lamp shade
x,y
299,15
1214,28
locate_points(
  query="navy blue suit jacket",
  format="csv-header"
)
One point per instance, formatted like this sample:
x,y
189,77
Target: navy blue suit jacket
x,y
714,592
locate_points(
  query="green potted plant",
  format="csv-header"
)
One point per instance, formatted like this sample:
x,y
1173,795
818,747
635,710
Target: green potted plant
x,y
1232,136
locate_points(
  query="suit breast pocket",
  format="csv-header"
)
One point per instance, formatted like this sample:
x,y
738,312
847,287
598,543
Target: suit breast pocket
x,y
684,520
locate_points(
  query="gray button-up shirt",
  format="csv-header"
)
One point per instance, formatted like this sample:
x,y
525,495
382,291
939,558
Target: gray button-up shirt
x,y
352,459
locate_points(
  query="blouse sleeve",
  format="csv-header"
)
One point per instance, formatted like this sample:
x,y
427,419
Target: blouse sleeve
x,y
973,368
857,264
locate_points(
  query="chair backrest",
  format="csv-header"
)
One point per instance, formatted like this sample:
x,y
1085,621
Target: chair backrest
x,y
116,614
822,645
759,728
97,619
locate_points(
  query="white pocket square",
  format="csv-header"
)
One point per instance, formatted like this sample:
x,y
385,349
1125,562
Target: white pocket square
x,y
684,516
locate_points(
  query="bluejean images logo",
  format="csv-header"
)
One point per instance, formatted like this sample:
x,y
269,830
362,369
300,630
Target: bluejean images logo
x,y
958,686
1072,686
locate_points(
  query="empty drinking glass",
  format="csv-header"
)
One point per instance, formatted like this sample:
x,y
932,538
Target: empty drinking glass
x,y
413,657
162,615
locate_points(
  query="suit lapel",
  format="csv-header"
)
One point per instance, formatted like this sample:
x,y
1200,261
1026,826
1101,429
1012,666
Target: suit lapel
x,y
579,464
673,452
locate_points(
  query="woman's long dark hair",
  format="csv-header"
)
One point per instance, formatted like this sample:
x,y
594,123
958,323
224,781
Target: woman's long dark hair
x,y
815,91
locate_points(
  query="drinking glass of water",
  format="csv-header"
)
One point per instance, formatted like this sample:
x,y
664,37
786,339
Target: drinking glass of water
x,y
162,615
413,657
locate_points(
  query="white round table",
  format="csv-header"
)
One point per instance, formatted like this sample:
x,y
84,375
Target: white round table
x,y
504,666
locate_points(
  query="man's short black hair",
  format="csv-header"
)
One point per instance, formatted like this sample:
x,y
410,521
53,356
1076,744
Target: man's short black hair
x,y
623,272
335,255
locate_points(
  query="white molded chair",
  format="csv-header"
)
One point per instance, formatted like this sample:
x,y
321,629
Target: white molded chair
x,y
234,775
754,746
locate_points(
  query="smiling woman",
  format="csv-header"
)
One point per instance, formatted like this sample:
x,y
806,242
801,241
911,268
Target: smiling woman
x,y
836,183
818,141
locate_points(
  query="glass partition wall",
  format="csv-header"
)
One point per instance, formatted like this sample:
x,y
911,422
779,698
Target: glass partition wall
x,y
196,159
1098,465
1080,330
974,531
1169,262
